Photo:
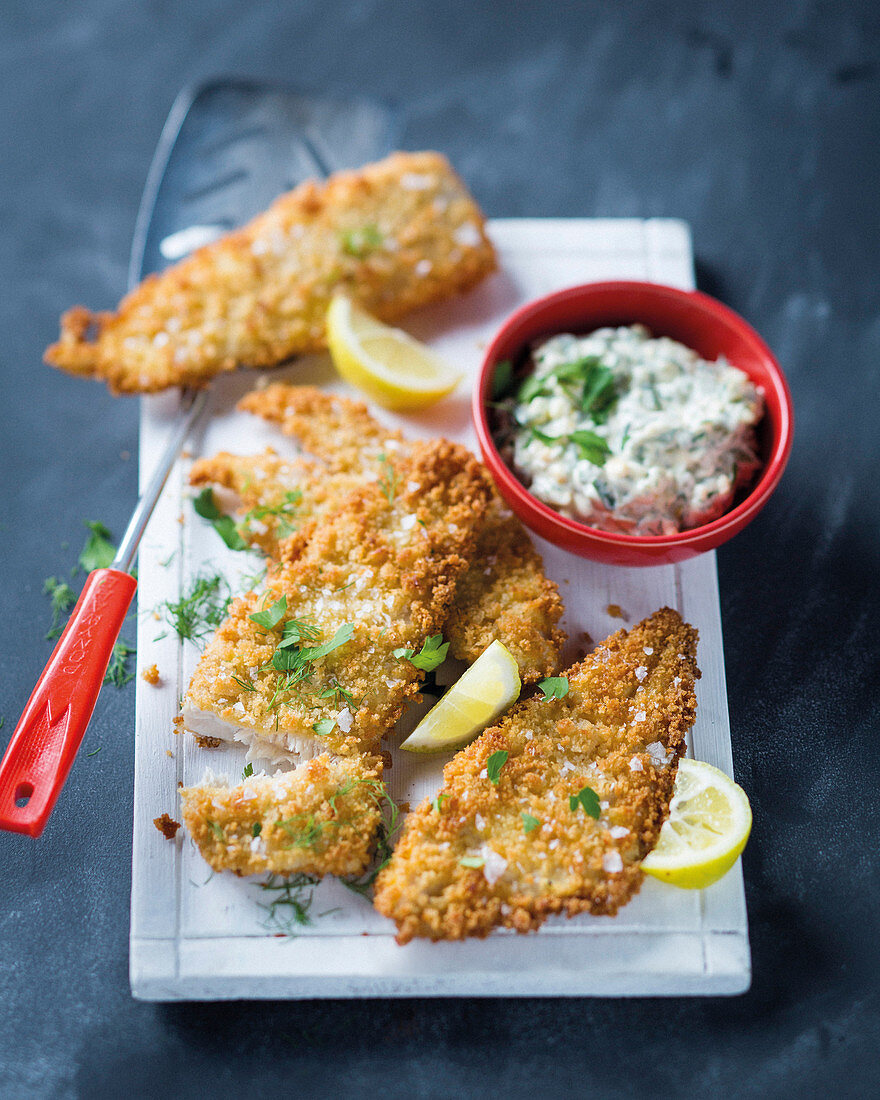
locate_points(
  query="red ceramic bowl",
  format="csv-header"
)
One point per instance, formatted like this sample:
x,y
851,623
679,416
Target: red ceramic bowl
x,y
694,319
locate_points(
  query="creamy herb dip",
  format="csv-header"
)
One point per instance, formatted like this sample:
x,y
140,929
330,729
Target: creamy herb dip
x,y
630,433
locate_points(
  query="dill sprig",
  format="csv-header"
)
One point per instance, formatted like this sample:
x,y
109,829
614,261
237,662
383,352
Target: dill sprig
x,y
289,908
389,480
118,673
285,512
62,599
196,614
384,838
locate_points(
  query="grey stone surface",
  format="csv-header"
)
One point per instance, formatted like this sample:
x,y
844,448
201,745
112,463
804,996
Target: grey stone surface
x,y
760,126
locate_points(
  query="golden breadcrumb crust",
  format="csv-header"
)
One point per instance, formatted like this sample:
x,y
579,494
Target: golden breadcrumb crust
x,y
385,566
393,236
619,730
277,496
320,819
504,594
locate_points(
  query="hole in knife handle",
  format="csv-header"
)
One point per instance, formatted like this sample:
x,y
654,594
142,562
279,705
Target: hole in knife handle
x,y
23,794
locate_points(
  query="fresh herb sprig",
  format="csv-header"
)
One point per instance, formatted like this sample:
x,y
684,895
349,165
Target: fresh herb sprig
x,y
494,764
206,506
388,480
430,656
290,908
361,241
202,610
588,800
554,687
99,551
62,598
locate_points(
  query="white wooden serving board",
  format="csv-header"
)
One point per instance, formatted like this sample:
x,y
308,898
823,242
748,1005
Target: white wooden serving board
x,y
200,936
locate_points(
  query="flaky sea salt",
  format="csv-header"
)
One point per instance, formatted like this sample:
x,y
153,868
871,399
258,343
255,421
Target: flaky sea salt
x,y
618,831
635,765
612,863
641,673
344,719
494,865
659,755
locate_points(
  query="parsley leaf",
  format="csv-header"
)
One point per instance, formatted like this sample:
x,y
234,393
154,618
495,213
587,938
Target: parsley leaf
x,y
437,803
494,765
99,551
324,726
529,823
224,525
431,656
248,771
342,635
590,446
501,379
554,687
257,828
588,799
270,617
216,829
472,861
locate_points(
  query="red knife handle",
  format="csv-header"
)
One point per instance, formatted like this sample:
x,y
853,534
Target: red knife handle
x,y
51,729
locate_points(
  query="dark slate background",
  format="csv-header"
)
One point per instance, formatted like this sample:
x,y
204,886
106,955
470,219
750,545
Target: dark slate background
x,y
760,124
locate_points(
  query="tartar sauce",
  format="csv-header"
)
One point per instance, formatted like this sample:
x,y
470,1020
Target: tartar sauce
x,y
630,433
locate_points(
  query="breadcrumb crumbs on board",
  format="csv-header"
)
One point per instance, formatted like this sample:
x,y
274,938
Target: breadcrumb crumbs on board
x,y
616,611
166,825
205,742
151,675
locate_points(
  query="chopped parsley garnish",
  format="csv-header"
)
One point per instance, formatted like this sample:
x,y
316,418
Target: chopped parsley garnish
x,y
430,656
118,672
494,765
554,687
194,616
599,394
270,617
590,446
501,379
437,803
359,242
248,772
62,599
99,551
216,829
586,798
472,861
295,659
224,525
324,726
529,823
389,480
257,828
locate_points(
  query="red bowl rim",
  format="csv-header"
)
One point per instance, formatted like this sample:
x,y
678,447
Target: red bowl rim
x,y
722,315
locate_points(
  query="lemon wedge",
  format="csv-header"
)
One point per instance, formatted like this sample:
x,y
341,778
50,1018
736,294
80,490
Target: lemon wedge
x,y
486,690
707,828
389,366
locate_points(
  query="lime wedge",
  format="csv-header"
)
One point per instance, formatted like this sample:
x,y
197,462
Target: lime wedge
x,y
485,691
707,828
389,366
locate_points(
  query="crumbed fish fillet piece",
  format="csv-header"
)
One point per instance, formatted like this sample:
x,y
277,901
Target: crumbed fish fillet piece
x,y
382,569
393,236
504,594
321,818
276,497
510,855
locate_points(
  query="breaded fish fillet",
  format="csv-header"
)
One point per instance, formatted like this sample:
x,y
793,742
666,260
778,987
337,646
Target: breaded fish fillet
x,y
511,854
394,235
322,818
375,577
275,497
504,594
